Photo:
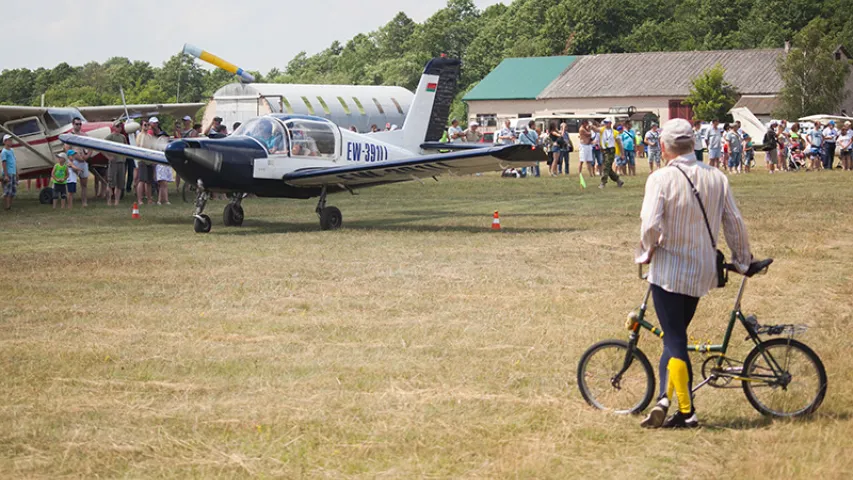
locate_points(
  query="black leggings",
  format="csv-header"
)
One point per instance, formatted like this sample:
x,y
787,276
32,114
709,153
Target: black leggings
x,y
675,311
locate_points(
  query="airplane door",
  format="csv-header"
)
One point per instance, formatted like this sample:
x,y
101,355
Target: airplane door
x,y
32,131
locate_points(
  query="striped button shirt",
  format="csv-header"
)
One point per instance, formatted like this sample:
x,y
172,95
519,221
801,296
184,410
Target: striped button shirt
x,y
673,232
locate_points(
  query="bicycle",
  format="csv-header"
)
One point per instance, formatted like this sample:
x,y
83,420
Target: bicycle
x,y
781,377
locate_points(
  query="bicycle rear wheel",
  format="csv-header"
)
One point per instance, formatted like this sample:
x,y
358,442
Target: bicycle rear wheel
x,y
630,392
795,389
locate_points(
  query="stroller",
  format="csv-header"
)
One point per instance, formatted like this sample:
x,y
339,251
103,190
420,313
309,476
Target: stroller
x,y
796,158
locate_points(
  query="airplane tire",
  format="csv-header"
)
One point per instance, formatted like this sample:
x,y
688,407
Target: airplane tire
x,y
227,216
203,225
331,218
232,216
46,196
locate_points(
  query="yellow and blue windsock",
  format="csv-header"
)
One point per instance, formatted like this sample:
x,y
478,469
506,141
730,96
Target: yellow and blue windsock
x,y
212,59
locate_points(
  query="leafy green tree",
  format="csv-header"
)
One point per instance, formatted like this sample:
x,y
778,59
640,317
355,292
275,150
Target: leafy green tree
x,y
711,96
181,79
814,79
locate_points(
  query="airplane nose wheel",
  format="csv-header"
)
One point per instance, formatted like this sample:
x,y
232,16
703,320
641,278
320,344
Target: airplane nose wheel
x,y
330,217
202,224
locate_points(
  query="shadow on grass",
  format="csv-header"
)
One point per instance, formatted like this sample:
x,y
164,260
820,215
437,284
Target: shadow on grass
x,y
440,214
260,227
763,421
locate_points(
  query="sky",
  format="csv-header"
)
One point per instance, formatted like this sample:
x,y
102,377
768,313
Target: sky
x,y
253,34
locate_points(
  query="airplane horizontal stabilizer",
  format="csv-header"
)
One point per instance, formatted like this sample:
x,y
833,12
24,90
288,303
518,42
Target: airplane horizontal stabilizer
x,y
113,148
459,163
452,146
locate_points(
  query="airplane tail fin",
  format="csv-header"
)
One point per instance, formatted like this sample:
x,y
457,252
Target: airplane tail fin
x,y
427,117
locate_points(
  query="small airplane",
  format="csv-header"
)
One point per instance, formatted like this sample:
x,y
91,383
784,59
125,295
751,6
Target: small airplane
x,y
36,131
302,156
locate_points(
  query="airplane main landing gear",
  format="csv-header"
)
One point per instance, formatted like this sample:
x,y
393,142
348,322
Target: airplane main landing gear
x,y
232,216
202,222
330,217
46,196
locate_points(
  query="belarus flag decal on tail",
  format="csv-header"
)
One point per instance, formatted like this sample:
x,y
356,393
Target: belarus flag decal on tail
x,y
431,87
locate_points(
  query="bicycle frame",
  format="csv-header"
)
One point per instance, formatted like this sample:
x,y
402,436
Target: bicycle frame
x,y
637,320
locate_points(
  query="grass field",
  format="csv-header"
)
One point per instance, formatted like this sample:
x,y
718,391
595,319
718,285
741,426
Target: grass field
x,y
414,342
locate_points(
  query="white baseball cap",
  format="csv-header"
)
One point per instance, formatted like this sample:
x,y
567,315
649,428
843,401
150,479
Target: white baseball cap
x,y
473,124
6,137
187,118
676,129
153,120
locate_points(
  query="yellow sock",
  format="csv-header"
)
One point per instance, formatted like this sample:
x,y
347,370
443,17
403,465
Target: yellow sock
x,y
679,380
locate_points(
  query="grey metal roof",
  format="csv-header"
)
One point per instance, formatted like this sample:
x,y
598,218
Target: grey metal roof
x,y
666,74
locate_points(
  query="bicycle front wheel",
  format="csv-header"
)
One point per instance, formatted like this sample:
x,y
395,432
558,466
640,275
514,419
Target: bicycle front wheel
x,y
784,378
602,385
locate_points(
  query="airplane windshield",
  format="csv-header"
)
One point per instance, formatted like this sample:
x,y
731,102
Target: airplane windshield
x,y
63,116
267,131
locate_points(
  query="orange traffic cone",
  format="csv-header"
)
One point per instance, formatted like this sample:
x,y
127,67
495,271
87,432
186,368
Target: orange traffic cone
x,y
135,212
496,221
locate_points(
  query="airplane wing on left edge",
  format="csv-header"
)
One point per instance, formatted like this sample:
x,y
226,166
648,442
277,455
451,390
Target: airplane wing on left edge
x,y
464,162
113,148
105,113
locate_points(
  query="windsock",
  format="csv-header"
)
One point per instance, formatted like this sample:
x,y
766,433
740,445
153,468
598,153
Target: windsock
x,y
212,59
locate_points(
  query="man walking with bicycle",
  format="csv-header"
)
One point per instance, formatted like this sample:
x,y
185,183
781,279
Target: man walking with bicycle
x,y
684,205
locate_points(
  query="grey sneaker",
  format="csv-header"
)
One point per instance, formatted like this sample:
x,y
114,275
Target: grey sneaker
x,y
619,183
657,416
601,186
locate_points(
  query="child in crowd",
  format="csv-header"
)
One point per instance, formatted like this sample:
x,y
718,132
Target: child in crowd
x,y
748,153
59,175
73,171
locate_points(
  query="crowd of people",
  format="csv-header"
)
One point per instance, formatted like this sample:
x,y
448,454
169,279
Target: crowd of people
x,y
70,175
610,149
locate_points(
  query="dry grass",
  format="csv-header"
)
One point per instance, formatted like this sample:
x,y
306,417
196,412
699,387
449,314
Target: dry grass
x,y
412,343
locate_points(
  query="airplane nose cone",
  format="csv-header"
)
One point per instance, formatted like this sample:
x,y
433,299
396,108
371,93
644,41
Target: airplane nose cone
x,y
176,146
182,152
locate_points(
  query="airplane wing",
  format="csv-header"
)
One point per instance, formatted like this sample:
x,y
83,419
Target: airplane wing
x,y
837,118
464,162
105,113
120,149
12,112
750,124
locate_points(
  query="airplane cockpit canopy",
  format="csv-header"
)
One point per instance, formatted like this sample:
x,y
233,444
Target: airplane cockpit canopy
x,y
268,131
311,137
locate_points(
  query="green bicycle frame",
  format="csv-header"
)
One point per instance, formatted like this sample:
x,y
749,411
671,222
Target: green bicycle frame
x,y
639,321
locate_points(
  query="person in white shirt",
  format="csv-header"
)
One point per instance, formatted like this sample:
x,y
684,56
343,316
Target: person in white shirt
x,y
698,144
678,238
829,136
505,136
454,133
845,144
714,140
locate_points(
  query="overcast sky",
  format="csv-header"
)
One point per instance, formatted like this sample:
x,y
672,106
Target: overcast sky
x,y
254,34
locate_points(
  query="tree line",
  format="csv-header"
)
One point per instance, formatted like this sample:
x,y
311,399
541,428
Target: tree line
x,y
395,53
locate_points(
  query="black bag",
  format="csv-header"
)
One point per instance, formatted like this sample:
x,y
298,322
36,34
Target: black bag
x,y
722,273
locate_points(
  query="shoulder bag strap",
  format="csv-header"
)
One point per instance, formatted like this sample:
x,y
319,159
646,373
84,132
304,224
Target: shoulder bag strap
x,y
698,199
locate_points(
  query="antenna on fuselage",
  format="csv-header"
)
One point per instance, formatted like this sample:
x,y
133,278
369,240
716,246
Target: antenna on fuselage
x,y
193,51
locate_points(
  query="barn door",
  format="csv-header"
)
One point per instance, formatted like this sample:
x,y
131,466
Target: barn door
x,y
679,110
